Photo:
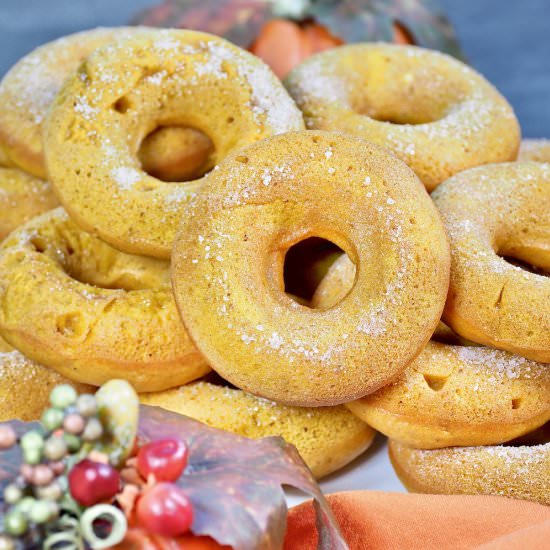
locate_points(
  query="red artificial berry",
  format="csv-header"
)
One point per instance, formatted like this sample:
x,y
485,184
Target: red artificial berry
x,y
164,458
165,510
92,482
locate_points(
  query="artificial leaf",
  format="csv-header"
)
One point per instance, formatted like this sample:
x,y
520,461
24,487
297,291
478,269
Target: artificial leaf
x,y
235,483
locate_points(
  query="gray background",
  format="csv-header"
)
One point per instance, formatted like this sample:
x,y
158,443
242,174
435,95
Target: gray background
x,y
506,40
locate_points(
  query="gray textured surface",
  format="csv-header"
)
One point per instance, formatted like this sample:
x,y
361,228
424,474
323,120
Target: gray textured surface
x,y
506,40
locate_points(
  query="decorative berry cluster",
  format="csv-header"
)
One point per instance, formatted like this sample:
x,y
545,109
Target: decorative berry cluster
x,y
68,493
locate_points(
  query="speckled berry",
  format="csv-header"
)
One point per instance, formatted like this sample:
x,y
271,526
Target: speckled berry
x,y
74,424
55,448
52,419
15,523
12,494
49,492
7,543
93,430
32,456
25,504
42,475
73,442
57,468
8,437
63,396
32,440
40,512
86,405
27,472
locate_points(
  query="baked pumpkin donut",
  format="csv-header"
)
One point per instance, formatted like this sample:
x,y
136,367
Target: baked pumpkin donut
x,y
296,186
124,91
327,438
491,213
521,472
432,111
20,378
71,302
460,396
29,88
534,149
22,197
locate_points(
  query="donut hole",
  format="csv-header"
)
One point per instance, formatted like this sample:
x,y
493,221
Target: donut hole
x,y
177,153
305,265
517,262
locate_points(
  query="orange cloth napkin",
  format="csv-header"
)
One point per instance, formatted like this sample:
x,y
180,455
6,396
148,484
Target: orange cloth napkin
x,y
380,521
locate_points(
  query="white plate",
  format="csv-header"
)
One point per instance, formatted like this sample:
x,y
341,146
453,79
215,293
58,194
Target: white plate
x,y
372,470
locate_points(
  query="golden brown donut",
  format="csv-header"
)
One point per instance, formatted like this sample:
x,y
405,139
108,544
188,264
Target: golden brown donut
x,y
460,396
492,212
22,197
71,302
127,89
293,187
328,438
4,346
25,387
518,472
432,111
534,149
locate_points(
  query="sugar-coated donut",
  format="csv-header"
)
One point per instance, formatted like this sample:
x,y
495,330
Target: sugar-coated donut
x,y
228,276
4,346
492,212
124,91
71,302
521,472
328,438
25,387
429,109
460,396
22,197
534,149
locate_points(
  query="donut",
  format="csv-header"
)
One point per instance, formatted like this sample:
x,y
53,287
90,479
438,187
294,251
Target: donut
x,y
429,109
30,87
296,186
124,91
4,346
521,472
21,198
492,213
71,302
327,438
460,396
21,378
534,149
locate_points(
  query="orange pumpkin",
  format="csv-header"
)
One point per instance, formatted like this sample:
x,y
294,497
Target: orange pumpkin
x,y
285,32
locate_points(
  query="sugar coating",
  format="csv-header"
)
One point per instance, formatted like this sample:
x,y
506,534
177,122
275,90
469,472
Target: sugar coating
x,y
19,378
491,213
263,341
519,472
326,437
128,88
429,109
92,313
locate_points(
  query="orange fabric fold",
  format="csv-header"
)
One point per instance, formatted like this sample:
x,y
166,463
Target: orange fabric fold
x,y
379,521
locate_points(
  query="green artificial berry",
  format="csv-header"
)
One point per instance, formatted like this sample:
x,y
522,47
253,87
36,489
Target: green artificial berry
x,y
15,523
55,448
6,543
50,492
32,440
93,430
86,405
32,456
73,442
63,396
25,504
40,512
52,419
12,494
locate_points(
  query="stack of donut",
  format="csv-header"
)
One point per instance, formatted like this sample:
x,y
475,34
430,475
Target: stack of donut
x,y
154,182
